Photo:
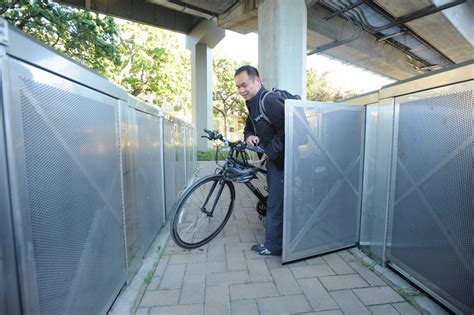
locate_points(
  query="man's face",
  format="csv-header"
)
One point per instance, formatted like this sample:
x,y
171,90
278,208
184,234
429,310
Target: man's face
x,y
247,87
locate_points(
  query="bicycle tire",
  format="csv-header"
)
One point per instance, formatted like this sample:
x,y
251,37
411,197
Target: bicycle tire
x,y
191,227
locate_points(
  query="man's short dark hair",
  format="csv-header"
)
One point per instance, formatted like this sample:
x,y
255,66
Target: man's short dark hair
x,y
251,71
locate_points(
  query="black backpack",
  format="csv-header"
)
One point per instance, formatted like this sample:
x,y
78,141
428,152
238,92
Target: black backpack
x,y
283,94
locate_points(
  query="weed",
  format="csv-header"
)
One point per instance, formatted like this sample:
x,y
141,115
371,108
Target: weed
x,y
149,275
408,296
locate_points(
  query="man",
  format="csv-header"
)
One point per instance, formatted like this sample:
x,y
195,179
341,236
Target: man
x,y
271,137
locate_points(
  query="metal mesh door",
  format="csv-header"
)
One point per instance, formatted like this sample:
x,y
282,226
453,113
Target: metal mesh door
x,y
133,221
378,151
180,170
149,190
368,223
67,179
189,153
323,172
431,230
170,164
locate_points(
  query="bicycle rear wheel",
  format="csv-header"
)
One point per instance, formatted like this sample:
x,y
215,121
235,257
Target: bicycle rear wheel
x,y
203,210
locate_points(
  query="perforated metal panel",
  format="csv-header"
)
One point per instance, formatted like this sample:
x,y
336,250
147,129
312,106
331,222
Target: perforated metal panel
x,y
133,218
370,154
149,190
431,233
65,162
378,151
180,170
323,174
169,164
189,153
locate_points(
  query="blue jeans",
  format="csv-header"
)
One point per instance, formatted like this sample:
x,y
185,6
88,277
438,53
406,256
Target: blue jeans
x,y
274,218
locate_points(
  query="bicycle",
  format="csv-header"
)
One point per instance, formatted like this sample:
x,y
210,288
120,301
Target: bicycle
x,y
204,208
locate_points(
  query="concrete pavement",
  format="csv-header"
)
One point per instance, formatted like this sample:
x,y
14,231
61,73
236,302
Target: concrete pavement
x,y
225,277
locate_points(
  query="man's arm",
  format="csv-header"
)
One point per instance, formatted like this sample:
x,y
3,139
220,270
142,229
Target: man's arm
x,y
248,130
276,113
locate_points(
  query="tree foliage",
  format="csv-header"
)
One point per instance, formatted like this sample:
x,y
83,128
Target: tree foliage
x,y
319,89
155,68
86,37
226,101
146,61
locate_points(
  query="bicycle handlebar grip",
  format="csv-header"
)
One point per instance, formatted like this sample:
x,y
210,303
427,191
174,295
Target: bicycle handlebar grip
x,y
213,135
255,148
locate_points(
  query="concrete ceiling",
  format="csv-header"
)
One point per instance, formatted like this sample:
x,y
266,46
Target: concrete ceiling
x,y
419,35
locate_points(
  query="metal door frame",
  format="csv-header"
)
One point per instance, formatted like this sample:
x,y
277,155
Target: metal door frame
x,y
9,286
288,255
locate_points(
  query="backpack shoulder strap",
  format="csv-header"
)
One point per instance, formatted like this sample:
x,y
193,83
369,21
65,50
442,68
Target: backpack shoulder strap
x,y
261,105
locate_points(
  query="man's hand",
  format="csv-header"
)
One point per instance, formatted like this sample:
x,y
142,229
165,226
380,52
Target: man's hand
x,y
252,140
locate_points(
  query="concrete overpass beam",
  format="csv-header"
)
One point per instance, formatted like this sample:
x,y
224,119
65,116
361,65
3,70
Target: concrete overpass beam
x,y
282,29
205,36
242,18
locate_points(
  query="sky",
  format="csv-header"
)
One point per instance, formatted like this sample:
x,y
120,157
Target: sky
x,y
343,76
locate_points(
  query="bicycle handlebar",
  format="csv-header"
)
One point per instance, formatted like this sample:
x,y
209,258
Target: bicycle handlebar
x,y
254,148
213,135
239,145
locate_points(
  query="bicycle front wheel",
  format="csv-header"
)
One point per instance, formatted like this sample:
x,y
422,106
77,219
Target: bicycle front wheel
x,y
203,210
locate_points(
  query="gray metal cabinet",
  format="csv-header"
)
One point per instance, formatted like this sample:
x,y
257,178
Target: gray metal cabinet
x,y
63,165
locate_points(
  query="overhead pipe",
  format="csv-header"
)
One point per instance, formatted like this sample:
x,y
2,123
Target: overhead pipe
x,y
343,10
385,14
414,15
391,36
375,30
336,43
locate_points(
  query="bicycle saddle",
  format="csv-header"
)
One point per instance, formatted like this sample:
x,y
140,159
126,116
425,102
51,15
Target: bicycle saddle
x,y
240,175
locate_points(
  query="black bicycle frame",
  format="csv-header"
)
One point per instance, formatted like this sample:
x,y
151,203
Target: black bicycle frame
x,y
255,191
244,162
231,160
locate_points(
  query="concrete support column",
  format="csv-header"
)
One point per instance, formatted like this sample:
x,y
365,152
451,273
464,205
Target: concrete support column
x,y
201,71
205,36
282,29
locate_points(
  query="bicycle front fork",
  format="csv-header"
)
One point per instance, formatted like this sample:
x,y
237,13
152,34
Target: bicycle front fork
x,y
221,183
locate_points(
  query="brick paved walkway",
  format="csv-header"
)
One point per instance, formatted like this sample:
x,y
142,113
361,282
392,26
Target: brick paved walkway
x,y
225,277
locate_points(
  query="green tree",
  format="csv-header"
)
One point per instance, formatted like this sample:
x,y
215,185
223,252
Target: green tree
x,y
147,61
155,68
86,37
319,89
226,101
